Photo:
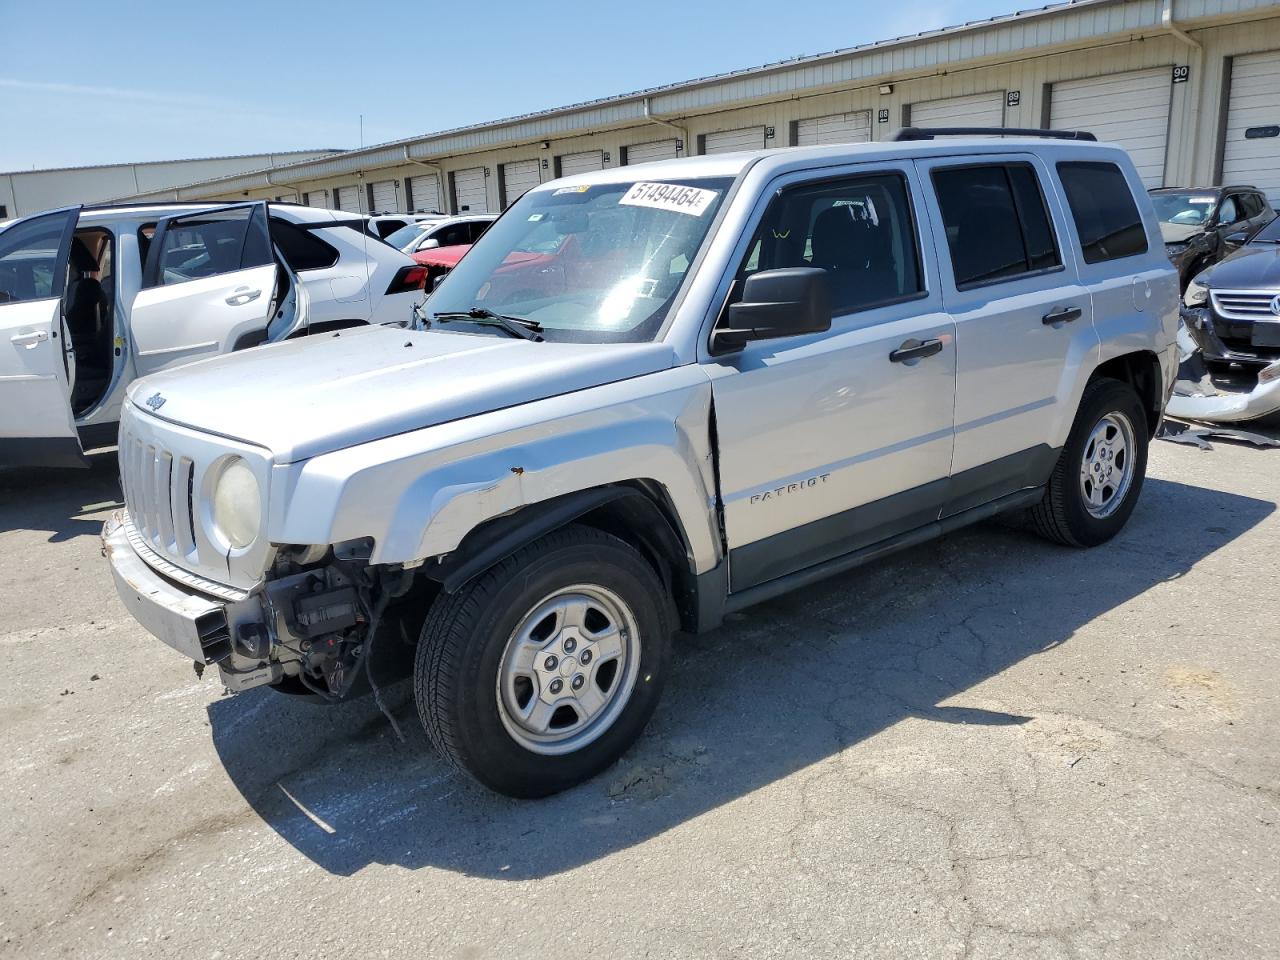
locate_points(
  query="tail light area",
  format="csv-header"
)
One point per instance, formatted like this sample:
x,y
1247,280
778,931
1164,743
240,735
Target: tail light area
x,y
408,279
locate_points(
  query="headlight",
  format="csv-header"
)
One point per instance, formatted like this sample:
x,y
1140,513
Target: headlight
x,y
1175,249
237,504
1197,294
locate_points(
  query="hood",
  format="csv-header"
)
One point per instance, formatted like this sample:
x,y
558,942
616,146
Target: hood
x,y
1179,232
442,256
310,396
1255,266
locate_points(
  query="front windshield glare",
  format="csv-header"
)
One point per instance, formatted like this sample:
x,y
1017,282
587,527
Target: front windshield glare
x,y
598,263
405,235
1183,209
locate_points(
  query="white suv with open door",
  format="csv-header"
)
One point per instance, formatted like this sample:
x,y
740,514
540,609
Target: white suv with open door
x,y
92,298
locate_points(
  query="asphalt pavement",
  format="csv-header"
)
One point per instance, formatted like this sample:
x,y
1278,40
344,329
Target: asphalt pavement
x,y
989,746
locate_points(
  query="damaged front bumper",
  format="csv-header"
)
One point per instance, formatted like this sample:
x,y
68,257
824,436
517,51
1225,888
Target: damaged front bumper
x,y
200,627
308,622
1202,392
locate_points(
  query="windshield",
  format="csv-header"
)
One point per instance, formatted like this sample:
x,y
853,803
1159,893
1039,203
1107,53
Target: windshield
x,y
1270,233
1184,209
599,263
407,234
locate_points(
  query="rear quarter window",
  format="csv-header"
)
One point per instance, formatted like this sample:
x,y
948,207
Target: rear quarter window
x,y
302,249
1104,211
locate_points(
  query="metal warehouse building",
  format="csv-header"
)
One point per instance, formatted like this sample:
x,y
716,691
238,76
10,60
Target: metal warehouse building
x,y
29,191
1190,87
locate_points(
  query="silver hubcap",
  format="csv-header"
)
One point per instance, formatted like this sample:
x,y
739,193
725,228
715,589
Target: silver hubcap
x,y
568,669
1106,471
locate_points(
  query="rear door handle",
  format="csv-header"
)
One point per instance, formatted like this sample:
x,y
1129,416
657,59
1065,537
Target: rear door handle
x,y
29,340
242,296
913,350
1065,315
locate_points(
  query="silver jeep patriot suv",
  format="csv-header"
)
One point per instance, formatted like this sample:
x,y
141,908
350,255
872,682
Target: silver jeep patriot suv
x,y
649,396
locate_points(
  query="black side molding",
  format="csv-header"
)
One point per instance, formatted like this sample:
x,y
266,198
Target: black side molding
x,y
821,571
929,133
41,452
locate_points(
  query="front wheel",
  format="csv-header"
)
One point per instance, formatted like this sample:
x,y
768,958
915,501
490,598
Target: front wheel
x,y
540,672
1099,474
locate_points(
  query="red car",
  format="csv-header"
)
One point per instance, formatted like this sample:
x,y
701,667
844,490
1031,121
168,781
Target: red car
x,y
440,260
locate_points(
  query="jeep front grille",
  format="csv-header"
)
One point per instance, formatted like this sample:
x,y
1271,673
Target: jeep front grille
x,y
158,491
165,471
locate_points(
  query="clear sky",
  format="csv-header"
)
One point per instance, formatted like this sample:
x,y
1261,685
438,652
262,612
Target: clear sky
x,y
91,82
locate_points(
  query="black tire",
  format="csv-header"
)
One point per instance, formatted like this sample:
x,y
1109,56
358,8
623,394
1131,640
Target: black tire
x,y
1062,515
465,636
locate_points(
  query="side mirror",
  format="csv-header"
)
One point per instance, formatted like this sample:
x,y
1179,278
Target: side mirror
x,y
429,244
777,303
1239,238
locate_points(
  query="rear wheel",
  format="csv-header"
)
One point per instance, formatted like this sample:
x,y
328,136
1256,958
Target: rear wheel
x,y
543,670
1099,474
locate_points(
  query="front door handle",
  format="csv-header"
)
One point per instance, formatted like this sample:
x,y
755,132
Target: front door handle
x,y
243,295
913,350
29,340
1064,315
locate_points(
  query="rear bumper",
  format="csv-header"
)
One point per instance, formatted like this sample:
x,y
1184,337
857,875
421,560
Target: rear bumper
x,y
193,624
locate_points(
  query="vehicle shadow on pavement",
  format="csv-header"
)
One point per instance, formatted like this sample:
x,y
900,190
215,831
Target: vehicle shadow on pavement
x,y
779,688
58,500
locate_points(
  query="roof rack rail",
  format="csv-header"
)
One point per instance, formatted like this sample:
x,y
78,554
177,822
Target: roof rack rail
x,y
155,203
922,133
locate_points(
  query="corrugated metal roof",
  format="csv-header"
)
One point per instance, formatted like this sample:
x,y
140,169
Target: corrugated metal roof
x,y
157,163
1064,23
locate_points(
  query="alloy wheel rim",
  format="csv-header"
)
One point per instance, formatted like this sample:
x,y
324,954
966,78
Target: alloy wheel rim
x,y
1107,466
568,669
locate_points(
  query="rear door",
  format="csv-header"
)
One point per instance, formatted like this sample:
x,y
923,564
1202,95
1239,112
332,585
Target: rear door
x,y
1024,322
209,286
36,365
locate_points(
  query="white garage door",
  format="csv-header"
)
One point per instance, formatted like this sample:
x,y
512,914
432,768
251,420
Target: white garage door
x,y
572,163
727,141
1252,152
384,196
1131,109
315,198
425,194
838,128
656,150
469,195
518,179
977,110
349,199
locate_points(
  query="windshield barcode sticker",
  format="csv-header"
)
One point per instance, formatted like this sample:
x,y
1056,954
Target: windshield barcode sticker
x,y
670,196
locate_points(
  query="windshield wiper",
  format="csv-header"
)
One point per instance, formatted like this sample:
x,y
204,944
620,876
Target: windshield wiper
x,y
516,326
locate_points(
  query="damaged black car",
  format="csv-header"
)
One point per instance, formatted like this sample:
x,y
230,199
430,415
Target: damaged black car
x,y
1230,337
1201,226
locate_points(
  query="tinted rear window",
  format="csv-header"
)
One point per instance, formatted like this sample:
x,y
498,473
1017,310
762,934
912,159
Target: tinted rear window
x,y
996,222
302,249
1103,208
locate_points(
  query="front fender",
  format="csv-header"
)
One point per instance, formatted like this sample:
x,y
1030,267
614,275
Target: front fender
x,y
419,494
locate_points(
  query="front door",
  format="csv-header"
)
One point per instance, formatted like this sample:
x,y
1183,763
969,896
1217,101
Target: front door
x,y
37,368
211,285
1024,322
831,442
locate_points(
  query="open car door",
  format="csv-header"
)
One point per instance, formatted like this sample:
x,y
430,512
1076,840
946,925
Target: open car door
x,y
211,283
37,367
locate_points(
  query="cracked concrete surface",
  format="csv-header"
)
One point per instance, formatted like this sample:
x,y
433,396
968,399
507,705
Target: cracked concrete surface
x,y
986,747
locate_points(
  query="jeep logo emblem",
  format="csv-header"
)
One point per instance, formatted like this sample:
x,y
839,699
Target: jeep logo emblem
x,y
1275,306
155,401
